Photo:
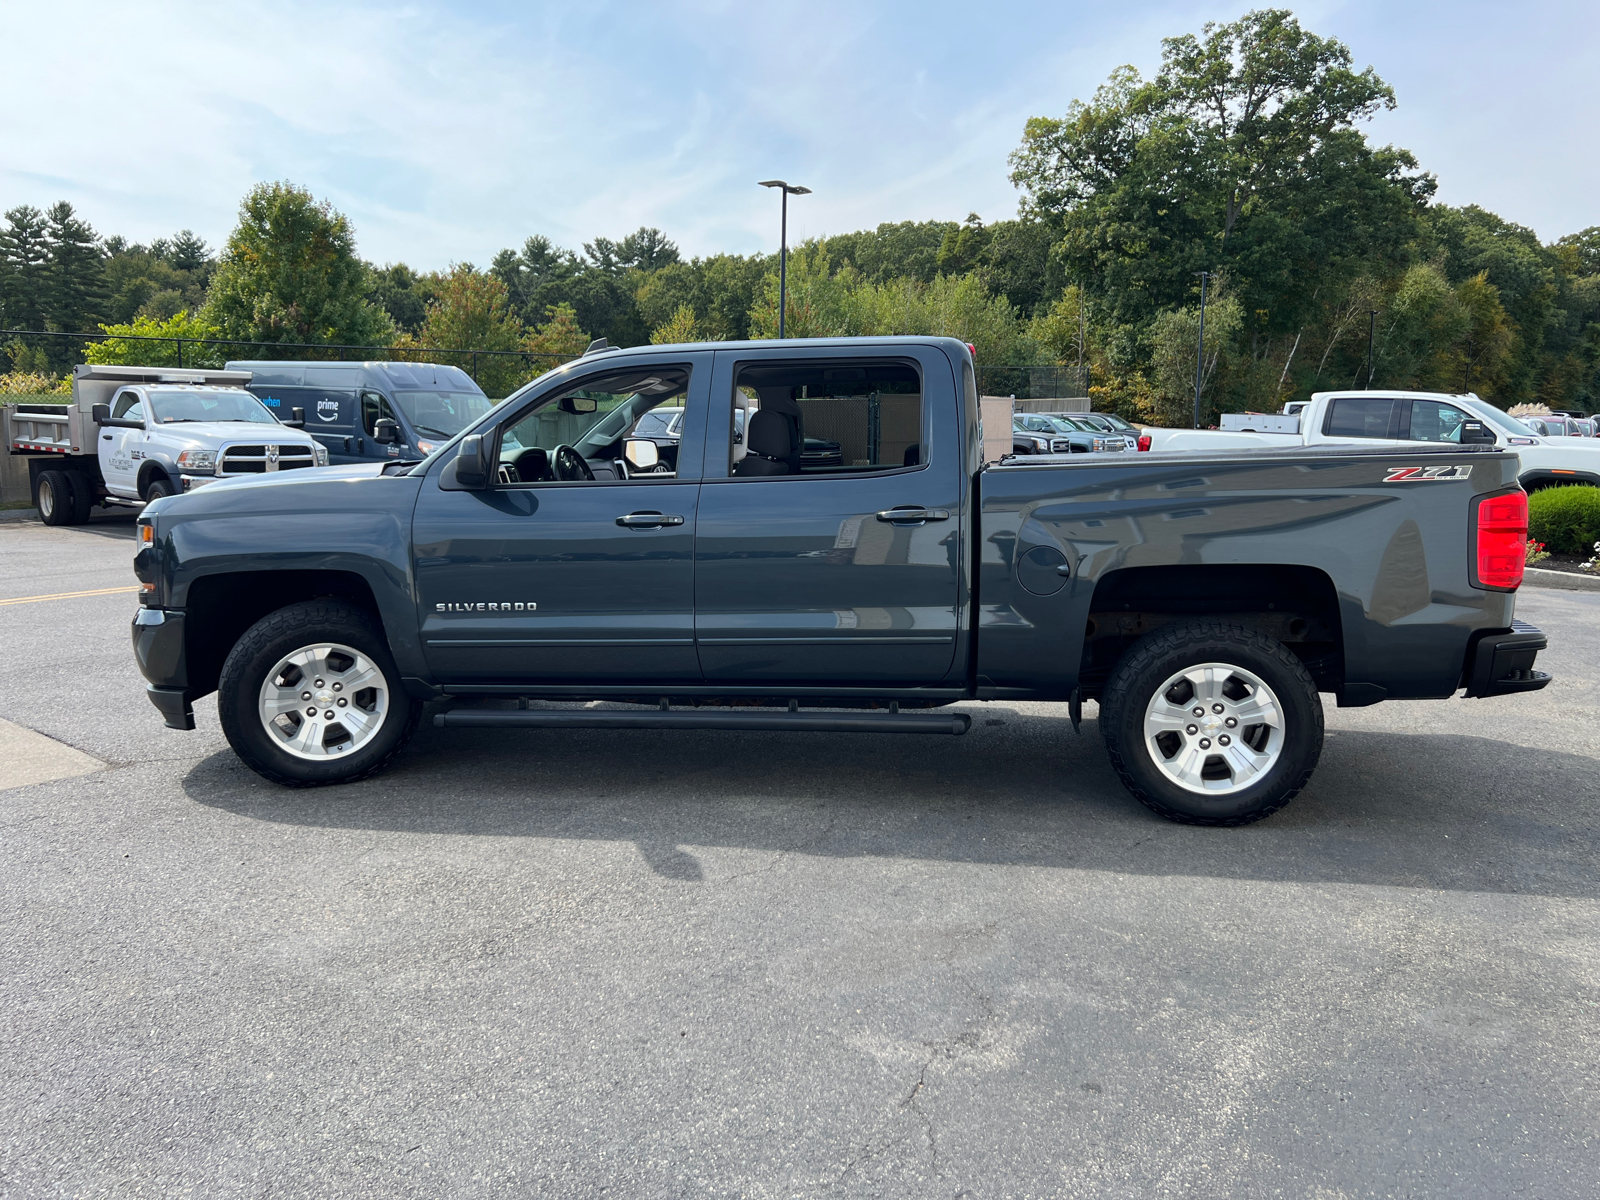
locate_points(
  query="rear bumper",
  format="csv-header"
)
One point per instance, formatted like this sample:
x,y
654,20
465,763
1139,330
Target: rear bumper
x,y
1502,663
158,647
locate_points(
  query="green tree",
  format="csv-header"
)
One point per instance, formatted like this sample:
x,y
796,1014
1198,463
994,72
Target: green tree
x,y
469,314
24,268
75,294
1242,154
894,250
129,345
403,294
681,328
289,273
558,340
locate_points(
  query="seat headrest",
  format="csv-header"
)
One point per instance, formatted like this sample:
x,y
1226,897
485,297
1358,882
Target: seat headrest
x,y
768,434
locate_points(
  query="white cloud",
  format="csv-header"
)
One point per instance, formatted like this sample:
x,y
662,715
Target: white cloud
x,y
447,132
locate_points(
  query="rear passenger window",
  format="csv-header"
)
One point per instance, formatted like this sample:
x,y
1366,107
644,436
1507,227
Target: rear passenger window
x,y
825,418
1361,417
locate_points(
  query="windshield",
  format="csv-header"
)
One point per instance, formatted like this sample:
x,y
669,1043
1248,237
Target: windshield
x,y
172,407
1505,424
442,414
1116,422
1070,425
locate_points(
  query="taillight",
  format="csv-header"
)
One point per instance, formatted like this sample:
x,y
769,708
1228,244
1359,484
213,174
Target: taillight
x,y
1502,541
1144,441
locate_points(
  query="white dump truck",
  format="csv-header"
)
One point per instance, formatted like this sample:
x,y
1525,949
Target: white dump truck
x,y
1399,419
133,434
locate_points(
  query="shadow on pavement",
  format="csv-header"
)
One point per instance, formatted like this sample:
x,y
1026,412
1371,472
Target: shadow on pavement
x,y
1402,810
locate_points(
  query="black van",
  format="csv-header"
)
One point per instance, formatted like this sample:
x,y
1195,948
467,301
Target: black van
x,y
344,401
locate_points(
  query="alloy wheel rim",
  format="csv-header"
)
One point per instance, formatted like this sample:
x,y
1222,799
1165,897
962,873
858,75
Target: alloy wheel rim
x,y
1214,729
323,701
47,500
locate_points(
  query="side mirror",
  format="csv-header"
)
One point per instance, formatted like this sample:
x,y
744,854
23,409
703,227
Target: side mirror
x,y
472,464
101,413
386,430
1476,433
641,453
297,419
578,405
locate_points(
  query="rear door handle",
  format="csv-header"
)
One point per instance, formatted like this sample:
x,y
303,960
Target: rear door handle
x,y
648,520
905,514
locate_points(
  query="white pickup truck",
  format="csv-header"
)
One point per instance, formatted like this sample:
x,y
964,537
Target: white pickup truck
x,y
1397,419
135,434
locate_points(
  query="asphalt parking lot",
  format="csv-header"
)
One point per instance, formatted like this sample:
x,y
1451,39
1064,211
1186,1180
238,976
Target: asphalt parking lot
x,y
664,964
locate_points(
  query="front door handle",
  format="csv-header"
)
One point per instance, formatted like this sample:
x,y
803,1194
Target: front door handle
x,y
648,520
908,514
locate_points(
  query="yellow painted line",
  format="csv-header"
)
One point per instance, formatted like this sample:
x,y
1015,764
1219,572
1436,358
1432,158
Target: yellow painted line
x,y
70,595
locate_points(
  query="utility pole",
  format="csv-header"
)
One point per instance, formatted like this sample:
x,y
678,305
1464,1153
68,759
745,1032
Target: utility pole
x,y
1372,325
1200,350
1082,298
783,244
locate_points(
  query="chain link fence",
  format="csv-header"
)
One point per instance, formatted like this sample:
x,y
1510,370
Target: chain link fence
x,y
38,366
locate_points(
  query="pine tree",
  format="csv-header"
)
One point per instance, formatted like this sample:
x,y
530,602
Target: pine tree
x,y
24,259
75,283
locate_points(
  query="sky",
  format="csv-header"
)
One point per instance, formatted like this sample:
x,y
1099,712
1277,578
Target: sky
x,y
446,132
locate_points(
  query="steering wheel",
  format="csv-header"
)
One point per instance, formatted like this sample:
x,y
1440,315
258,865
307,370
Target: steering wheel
x,y
568,465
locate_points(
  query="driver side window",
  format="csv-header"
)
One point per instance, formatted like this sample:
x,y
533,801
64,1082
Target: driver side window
x,y
129,407
623,424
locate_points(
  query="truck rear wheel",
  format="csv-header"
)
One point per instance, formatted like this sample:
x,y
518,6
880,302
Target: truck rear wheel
x,y
56,498
310,695
82,496
1212,724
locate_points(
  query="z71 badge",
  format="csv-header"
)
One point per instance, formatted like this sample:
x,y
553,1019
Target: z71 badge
x,y
1422,474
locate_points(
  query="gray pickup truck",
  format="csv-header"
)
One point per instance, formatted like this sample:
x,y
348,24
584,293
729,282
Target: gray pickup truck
x,y
543,559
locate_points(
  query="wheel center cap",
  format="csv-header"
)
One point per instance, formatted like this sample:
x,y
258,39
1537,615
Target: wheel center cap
x,y
324,698
1211,723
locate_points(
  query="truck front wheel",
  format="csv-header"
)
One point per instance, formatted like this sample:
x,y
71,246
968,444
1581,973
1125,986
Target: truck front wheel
x,y
1212,724
311,695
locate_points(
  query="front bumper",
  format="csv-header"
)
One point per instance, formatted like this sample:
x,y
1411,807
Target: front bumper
x,y
190,482
158,647
1502,663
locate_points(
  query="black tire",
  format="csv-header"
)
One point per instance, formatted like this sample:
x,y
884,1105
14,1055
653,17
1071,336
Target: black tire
x,y
158,487
263,646
56,498
82,496
1151,663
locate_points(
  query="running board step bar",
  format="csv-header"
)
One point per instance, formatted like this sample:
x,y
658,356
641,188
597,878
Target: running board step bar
x,y
702,718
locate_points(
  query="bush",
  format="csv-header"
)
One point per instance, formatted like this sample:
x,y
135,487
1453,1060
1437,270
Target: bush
x,y
1565,519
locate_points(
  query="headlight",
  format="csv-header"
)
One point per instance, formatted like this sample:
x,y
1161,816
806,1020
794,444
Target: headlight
x,y
425,447
198,460
321,452
1101,443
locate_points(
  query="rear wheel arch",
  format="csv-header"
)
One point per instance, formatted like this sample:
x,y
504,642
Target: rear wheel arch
x,y
1297,606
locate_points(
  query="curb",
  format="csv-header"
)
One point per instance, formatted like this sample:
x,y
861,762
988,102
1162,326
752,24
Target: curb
x,y
19,514
1561,580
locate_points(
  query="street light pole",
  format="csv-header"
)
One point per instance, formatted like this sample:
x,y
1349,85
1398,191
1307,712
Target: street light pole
x,y
1200,350
1372,325
783,244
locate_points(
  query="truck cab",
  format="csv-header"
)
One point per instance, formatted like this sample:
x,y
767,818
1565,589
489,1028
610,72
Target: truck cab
x,y
132,435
